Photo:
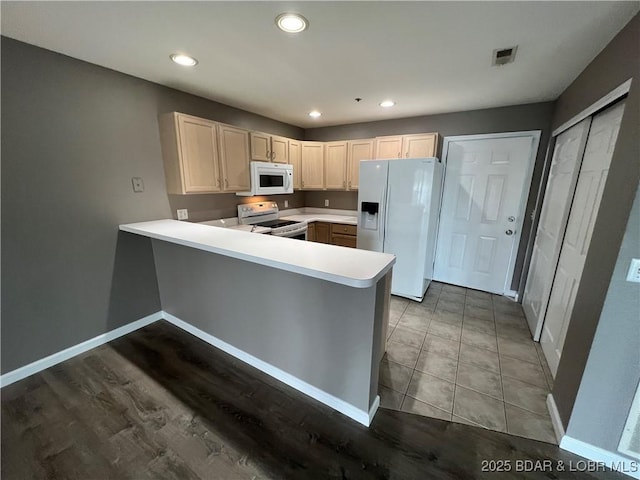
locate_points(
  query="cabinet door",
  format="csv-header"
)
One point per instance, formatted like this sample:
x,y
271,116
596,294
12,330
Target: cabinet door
x,y
419,146
323,234
198,155
279,149
234,158
312,165
311,232
260,146
343,240
388,147
357,150
335,165
294,159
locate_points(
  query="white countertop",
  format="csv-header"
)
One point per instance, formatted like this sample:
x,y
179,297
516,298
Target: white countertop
x,y
347,266
321,217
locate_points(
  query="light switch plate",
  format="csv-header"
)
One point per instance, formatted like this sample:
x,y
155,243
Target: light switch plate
x,y
286,204
326,203
138,184
183,214
633,275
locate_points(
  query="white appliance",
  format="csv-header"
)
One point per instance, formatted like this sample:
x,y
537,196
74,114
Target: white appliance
x,y
398,208
263,217
270,179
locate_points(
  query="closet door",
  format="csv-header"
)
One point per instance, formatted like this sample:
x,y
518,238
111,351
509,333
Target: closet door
x,y
563,175
584,210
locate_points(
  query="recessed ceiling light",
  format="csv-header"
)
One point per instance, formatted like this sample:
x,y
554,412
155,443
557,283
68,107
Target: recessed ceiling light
x,y
314,113
387,103
184,60
291,22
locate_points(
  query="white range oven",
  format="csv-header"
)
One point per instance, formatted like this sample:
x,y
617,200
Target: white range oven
x,y
263,218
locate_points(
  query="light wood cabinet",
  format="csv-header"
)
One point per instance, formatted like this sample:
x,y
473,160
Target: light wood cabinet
x,y
388,147
312,160
357,150
269,148
279,149
421,145
335,165
190,154
234,158
295,151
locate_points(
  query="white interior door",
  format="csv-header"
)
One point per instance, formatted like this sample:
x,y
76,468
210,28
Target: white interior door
x,y
584,209
487,178
563,175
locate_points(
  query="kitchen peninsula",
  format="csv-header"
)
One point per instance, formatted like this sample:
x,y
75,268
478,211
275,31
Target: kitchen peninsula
x,y
311,315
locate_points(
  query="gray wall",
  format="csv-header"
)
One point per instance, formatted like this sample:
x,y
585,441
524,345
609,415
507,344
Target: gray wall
x,y
73,135
612,372
318,331
619,61
535,116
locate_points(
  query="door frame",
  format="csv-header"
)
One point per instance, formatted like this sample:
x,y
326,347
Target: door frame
x,y
535,137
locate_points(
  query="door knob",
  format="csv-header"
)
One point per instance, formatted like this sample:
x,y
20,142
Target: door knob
x,y
512,219
509,232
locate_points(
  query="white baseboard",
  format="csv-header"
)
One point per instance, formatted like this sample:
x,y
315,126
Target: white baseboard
x,y
555,418
361,416
44,363
596,454
511,294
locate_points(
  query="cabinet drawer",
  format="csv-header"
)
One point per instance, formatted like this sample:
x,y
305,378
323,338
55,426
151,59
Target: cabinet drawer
x,y
343,229
343,240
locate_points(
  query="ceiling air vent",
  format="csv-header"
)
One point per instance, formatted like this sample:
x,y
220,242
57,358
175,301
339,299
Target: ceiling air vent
x,y
502,56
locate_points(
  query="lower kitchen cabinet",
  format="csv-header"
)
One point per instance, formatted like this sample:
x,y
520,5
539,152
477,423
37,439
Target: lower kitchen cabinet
x,y
319,232
343,235
332,233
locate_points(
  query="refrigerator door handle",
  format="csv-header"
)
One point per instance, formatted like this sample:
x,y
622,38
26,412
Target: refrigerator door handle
x,y
387,200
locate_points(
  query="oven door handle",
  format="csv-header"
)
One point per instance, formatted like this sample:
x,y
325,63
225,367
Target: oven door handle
x,y
291,233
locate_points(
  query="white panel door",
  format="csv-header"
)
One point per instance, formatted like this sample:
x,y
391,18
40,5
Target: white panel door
x,y
563,175
584,210
485,188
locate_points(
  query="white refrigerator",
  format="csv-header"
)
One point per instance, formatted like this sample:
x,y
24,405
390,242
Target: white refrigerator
x,y
398,209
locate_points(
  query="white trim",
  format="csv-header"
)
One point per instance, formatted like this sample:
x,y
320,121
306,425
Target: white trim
x,y
361,416
555,418
44,363
512,294
610,97
609,459
631,425
535,137
373,409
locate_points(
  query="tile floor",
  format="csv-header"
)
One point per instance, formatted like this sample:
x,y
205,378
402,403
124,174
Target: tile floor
x,y
466,356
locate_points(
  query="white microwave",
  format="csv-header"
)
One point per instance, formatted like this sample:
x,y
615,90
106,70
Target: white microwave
x,y
270,179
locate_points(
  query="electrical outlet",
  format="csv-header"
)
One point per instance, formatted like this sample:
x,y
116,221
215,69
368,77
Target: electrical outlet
x,y
286,204
138,184
326,202
183,214
633,275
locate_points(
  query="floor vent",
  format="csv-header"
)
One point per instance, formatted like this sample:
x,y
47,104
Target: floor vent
x,y
502,56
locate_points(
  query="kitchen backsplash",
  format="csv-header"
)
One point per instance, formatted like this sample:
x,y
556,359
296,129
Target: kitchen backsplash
x,y
337,200
223,205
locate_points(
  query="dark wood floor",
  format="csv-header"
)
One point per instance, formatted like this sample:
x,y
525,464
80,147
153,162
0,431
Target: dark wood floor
x,y
161,404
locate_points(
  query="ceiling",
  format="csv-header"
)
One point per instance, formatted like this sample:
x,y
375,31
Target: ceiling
x,y
429,57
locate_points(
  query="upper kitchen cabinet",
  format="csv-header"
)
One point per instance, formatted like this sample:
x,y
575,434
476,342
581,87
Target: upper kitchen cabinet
x,y
190,154
312,159
234,158
269,148
421,145
357,150
388,147
295,152
335,165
